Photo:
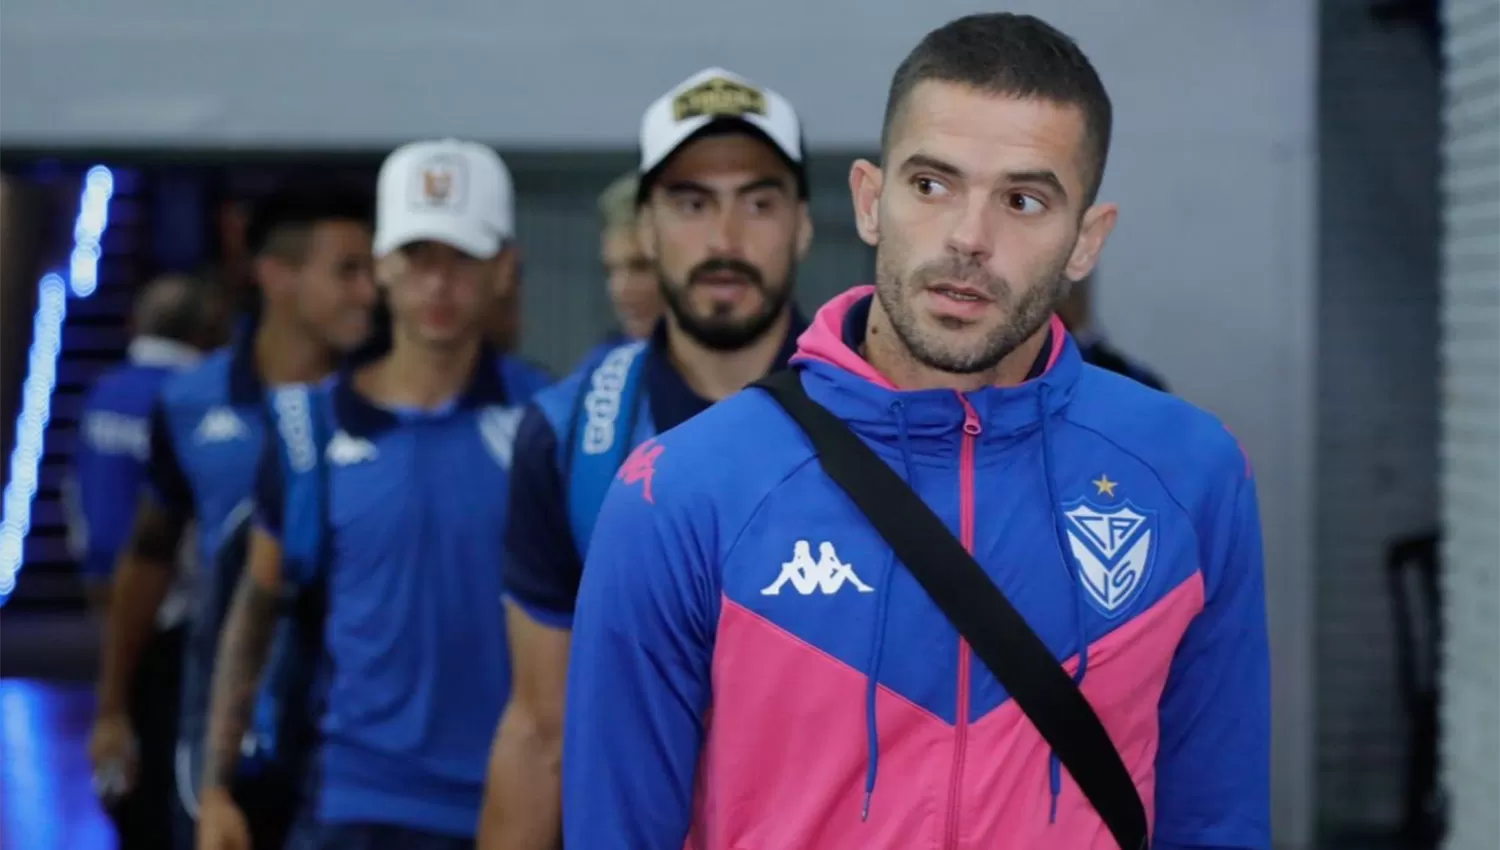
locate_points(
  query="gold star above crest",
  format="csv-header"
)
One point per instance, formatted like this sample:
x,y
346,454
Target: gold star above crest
x,y
1106,486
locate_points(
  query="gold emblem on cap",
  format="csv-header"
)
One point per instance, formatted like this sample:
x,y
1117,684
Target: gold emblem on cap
x,y
436,184
718,97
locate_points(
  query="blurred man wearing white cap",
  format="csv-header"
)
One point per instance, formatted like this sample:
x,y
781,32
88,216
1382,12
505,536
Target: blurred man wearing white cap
x,y
723,218
378,510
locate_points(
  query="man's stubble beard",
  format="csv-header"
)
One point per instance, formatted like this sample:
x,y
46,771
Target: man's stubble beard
x,y
1024,318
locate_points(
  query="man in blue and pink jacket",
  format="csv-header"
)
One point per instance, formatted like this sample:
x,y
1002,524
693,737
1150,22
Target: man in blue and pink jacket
x,y
753,668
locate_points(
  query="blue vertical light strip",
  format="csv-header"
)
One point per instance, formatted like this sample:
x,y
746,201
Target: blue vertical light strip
x,y
41,370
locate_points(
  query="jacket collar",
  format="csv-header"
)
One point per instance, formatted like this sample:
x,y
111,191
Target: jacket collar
x,y
362,417
148,350
847,384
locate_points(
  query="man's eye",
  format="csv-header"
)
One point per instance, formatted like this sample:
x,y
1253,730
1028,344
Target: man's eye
x,y
1026,204
928,186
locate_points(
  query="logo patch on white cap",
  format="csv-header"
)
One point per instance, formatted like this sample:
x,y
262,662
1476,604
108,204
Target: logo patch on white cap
x,y
710,95
719,97
439,183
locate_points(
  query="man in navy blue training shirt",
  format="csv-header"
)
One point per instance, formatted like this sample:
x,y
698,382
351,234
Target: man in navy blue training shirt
x,y
755,665
408,459
313,266
174,321
722,207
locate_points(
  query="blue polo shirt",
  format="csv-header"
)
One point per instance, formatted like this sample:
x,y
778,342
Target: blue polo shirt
x,y
415,637
544,560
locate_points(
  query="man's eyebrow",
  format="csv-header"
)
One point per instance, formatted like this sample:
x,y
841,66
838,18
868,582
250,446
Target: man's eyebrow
x,y
1036,177
686,187
762,184
922,161
1041,176
690,187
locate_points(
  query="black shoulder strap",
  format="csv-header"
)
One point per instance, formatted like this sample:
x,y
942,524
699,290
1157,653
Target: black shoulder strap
x,y
998,633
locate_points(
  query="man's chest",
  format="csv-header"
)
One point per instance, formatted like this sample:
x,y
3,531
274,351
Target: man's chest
x,y
441,483
1083,572
219,447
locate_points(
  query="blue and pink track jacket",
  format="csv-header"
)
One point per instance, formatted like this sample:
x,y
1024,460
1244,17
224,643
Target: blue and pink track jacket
x,y
753,670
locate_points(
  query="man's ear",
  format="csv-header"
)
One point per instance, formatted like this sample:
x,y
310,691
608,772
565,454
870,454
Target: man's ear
x,y
804,231
866,181
275,277
1098,222
645,231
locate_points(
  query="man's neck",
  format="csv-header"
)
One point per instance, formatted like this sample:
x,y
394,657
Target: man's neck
x,y
889,355
417,375
284,354
716,375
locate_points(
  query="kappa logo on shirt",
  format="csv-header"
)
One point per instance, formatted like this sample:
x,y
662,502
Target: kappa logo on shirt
x,y
827,574
640,467
219,425
346,450
1112,544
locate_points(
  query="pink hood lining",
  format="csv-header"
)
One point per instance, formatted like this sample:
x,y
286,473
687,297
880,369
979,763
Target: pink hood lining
x,y
824,339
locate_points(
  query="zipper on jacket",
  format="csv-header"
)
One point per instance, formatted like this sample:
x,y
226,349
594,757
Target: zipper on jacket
x,y
972,430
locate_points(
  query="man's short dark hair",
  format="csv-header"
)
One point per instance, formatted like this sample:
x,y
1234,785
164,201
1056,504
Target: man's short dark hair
x,y
1007,54
280,223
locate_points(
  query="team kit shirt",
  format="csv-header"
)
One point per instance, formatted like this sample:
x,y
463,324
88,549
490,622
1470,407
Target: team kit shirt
x,y
419,669
207,434
550,520
751,666
110,464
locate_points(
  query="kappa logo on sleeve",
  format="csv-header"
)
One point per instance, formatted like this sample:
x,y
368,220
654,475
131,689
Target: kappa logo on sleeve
x,y
640,467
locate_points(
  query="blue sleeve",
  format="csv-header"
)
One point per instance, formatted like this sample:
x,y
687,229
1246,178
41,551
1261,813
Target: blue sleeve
x,y
270,502
542,563
109,470
639,673
168,483
1214,766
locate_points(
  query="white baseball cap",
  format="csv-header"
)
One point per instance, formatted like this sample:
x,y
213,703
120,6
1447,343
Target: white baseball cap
x,y
450,191
711,96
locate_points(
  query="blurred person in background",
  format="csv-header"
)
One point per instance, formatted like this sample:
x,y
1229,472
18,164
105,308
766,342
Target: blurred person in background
x,y
312,265
1077,314
174,321
383,493
634,291
722,202
771,648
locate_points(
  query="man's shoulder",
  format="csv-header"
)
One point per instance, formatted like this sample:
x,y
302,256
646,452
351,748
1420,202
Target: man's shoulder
x,y
1180,441
557,401
206,383
730,457
127,388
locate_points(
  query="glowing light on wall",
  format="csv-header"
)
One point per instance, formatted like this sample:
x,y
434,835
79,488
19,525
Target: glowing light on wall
x,y
41,369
